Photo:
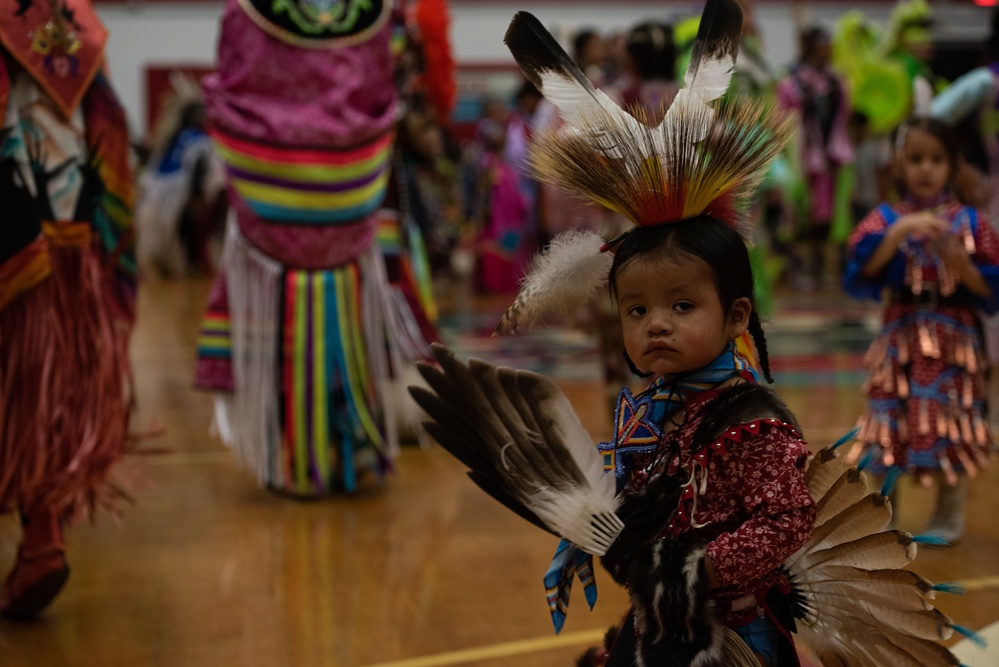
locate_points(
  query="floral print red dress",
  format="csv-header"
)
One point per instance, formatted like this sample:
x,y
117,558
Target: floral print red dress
x,y
745,497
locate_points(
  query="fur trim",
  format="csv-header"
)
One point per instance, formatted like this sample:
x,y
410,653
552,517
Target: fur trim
x,y
644,514
741,404
673,612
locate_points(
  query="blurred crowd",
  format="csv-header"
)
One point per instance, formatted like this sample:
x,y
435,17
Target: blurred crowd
x,y
482,215
850,86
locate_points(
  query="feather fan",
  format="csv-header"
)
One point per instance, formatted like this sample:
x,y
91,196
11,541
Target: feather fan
x,y
563,279
525,446
856,606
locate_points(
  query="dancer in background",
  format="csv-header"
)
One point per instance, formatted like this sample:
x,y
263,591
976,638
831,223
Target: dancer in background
x,y
67,286
304,329
181,205
652,68
502,211
971,102
908,40
936,263
816,93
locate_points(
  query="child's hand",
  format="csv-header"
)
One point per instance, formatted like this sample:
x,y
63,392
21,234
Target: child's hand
x,y
952,252
922,225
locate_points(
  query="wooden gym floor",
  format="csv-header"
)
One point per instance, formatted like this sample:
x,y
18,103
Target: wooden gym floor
x,y
425,570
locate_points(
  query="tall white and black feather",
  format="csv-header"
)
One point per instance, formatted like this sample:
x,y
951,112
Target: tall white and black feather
x,y
546,64
712,58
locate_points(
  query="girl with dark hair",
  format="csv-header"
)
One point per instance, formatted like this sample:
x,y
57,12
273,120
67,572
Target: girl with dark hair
x,y
936,263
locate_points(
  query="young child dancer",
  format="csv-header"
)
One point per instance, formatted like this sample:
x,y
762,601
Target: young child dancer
x,y
684,296
725,541
937,262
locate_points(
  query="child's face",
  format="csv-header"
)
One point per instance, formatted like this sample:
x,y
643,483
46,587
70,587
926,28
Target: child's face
x,y
671,315
925,167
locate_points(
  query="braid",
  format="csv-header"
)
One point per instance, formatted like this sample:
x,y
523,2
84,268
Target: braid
x,y
756,329
633,368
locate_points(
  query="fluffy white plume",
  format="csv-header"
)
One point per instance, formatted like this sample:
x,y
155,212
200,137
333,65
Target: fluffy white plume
x,y
560,281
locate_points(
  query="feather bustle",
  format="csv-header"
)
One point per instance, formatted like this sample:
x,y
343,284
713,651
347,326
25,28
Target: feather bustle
x,y
871,514
856,606
849,489
885,550
905,600
823,470
930,624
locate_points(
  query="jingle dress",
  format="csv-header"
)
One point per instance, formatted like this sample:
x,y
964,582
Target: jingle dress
x,y
925,388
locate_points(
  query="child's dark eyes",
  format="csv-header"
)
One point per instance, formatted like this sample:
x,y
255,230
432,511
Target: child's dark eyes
x,y
683,306
637,310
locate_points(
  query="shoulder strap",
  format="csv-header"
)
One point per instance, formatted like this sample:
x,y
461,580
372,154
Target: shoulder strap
x,y
740,405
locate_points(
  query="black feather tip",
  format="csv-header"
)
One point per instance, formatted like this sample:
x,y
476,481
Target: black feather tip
x,y
719,33
536,51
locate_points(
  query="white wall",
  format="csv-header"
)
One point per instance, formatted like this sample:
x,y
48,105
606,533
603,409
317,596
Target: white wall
x,y
186,32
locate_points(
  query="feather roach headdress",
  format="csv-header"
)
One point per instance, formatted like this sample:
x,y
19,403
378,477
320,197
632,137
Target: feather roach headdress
x,y
705,158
